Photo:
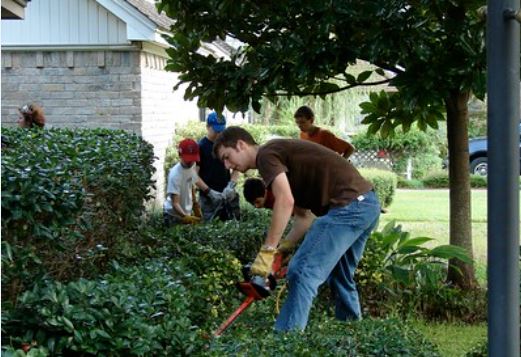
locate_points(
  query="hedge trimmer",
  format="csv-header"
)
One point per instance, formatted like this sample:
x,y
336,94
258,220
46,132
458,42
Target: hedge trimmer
x,y
255,288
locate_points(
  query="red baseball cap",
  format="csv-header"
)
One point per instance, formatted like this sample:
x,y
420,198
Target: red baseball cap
x,y
188,150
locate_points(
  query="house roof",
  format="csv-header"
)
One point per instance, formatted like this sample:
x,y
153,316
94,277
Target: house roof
x,y
150,11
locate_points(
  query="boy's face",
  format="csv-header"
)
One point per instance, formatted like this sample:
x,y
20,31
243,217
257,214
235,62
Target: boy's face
x,y
259,202
304,124
265,202
187,164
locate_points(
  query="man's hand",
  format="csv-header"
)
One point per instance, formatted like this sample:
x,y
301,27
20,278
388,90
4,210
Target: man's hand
x,y
229,192
263,263
190,220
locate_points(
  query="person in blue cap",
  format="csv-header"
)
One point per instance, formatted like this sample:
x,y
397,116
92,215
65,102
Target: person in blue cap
x,y
213,173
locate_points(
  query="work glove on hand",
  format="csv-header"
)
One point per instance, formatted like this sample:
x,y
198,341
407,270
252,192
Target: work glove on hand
x,y
190,220
229,192
262,265
214,196
286,247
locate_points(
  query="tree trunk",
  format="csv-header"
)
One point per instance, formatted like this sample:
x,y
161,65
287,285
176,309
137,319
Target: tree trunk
x,y
461,274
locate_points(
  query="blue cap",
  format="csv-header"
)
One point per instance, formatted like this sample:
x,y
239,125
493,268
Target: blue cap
x,y
218,123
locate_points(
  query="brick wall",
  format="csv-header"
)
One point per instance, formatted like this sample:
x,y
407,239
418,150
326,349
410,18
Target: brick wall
x,y
76,88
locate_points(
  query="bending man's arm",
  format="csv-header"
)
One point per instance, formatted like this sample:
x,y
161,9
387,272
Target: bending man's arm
x,y
282,209
303,220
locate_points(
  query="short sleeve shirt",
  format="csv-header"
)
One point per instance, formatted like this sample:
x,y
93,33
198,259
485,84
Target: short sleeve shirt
x,y
328,139
180,182
211,169
319,178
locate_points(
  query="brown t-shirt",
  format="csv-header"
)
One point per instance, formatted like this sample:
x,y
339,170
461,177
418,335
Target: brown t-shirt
x,y
318,177
328,139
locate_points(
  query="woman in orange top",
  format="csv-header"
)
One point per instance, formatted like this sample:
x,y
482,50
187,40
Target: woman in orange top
x,y
304,117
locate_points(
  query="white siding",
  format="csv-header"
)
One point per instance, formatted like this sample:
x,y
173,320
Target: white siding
x,y
65,22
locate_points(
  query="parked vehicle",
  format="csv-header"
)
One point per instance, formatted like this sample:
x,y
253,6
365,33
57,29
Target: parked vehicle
x,y
478,155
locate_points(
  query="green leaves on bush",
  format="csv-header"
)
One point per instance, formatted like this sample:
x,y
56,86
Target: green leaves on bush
x,y
66,200
135,311
399,273
384,183
325,337
422,148
440,179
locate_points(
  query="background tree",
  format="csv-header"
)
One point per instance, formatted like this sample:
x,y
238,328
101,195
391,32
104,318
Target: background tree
x,y
431,52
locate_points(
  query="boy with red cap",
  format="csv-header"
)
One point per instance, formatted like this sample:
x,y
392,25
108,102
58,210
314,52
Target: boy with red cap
x,y
178,205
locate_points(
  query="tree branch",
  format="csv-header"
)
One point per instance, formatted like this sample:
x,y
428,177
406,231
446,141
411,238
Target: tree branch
x,y
333,91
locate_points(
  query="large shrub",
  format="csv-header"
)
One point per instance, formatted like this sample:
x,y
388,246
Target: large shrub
x,y
67,196
384,182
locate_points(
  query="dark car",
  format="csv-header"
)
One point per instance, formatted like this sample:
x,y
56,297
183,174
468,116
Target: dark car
x,y
478,155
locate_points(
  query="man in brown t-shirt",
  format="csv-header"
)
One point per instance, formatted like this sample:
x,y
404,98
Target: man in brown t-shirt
x,y
304,118
310,181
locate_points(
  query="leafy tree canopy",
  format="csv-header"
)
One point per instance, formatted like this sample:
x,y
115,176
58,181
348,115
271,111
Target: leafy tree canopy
x,y
426,49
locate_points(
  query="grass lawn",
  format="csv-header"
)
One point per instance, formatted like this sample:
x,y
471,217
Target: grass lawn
x,y
426,213
453,339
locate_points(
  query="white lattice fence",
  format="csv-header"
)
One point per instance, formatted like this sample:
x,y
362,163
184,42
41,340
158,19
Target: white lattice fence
x,y
372,159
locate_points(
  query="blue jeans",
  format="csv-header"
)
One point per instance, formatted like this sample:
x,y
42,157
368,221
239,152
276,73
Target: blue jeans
x,y
330,252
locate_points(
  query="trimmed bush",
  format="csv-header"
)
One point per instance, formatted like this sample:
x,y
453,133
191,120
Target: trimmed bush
x,y
160,306
411,184
384,183
440,179
66,201
323,337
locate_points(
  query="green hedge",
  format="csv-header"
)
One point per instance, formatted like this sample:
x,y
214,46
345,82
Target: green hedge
x,y
322,337
67,196
385,183
159,303
440,179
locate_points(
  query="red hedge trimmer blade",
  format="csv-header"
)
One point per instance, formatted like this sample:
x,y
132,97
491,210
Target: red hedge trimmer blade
x,y
255,288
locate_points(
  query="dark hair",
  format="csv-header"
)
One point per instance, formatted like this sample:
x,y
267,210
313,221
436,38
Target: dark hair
x,y
304,112
33,115
228,138
253,189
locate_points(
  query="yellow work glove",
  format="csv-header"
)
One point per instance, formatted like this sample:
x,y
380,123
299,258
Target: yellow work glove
x,y
286,247
262,265
190,220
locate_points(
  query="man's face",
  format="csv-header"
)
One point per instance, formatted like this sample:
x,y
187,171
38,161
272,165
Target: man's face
x,y
234,158
304,124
